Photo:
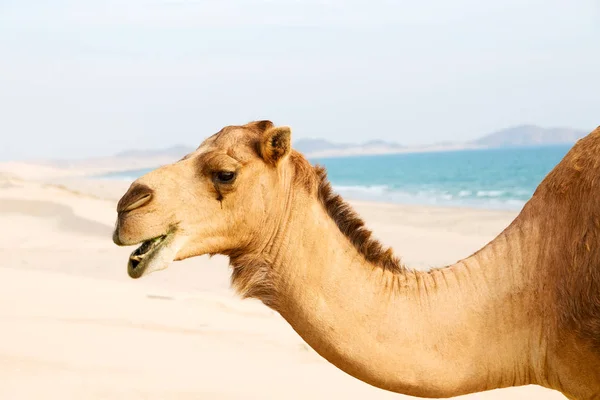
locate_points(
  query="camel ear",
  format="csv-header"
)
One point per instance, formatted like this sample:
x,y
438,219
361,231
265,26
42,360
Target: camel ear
x,y
275,144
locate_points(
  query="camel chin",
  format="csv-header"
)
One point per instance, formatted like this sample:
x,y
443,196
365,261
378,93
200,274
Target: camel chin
x,y
153,255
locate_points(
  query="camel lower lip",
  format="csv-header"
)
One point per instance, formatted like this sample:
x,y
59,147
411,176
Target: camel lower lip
x,y
145,248
149,256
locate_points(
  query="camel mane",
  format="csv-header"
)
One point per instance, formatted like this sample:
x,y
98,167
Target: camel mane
x,y
347,220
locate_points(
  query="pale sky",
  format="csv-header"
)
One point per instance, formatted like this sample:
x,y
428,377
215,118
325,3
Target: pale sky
x,y
85,78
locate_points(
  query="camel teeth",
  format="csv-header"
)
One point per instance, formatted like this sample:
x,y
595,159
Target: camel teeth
x,y
147,247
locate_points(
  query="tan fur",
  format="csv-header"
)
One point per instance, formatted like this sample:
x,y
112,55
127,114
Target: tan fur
x,y
525,309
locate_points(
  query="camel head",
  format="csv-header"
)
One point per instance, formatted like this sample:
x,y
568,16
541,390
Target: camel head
x,y
216,200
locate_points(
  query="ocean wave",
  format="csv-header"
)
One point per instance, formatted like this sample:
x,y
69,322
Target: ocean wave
x,y
493,199
490,193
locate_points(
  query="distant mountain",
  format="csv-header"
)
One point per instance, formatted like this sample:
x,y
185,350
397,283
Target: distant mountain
x,y
530,135
523,135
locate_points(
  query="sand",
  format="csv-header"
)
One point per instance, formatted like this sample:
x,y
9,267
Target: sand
x,y
75,326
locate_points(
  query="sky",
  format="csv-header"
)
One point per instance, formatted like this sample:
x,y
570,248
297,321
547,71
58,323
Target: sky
x,y
82,78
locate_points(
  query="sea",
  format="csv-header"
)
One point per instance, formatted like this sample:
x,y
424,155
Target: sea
x,y
503,178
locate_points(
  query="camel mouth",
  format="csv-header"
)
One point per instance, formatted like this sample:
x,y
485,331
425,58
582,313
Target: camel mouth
x,y
152,255
146,247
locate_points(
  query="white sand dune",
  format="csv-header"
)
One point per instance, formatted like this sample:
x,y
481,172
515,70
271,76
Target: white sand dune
x,y
74,326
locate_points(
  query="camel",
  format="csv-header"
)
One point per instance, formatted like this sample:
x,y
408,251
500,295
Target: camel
x,y
524,309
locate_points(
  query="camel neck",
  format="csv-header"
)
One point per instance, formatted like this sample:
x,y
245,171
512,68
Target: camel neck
x,y
446,332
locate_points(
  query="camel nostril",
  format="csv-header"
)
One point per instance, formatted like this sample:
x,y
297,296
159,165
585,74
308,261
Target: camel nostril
x,y
138,203
137,196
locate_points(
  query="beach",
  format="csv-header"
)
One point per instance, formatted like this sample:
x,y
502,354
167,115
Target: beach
x,y
75,326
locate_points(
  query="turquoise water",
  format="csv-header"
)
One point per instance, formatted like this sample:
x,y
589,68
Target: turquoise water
x,y
493,178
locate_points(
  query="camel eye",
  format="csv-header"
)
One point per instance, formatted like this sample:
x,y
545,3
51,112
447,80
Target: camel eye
x,y
224,176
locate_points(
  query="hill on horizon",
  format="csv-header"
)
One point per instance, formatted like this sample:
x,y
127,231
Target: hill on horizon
x,y
530,135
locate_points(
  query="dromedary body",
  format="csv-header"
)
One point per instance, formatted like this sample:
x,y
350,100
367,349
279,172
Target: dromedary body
x,y
525,309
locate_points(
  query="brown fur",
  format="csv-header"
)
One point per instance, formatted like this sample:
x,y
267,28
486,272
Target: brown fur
x,y
252,277
567,206
275,144
260,126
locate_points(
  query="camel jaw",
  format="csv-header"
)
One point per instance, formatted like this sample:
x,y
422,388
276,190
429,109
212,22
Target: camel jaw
x,y
152,255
